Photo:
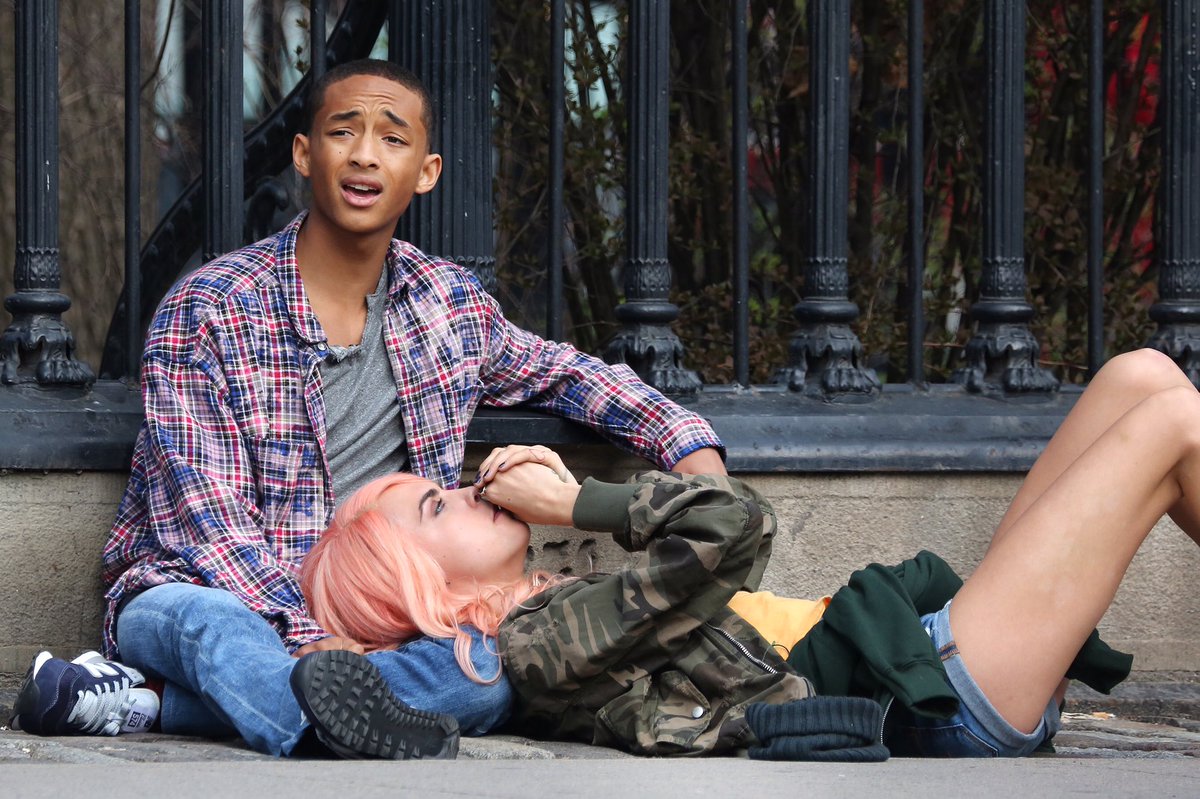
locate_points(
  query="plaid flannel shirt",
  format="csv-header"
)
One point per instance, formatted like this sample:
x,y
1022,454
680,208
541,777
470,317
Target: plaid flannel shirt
x,y
230,484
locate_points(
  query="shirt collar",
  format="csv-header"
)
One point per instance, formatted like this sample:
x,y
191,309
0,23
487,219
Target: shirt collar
x,y
300,311
304,321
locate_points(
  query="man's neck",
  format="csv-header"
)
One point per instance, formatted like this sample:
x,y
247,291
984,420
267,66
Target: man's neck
x,y
338,270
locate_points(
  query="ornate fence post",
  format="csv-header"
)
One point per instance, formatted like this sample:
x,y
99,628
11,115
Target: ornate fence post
x,y
824,345
646,342
38,346
1177,311
447,45
221,60
1003,352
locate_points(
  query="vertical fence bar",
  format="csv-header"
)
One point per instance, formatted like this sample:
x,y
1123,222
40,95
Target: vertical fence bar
x,y
916,191
739,78
824,345
133,194
37,345
221,26
554,237
316,38
395,23
1095,259
645,341
1002,353
1177,211
448,45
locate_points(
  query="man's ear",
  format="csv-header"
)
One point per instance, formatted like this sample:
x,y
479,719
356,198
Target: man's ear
x,y
431,170
300,154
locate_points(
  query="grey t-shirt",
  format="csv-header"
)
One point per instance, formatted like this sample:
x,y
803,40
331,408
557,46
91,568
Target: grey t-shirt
x,y
364,434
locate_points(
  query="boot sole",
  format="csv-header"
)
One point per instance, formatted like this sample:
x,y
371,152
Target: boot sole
x,y
356,715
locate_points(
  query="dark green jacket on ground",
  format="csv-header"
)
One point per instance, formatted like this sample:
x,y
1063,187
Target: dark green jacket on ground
x,y
650,659
870,641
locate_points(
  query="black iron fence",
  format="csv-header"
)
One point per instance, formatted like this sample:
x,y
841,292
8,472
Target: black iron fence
x,y
825,409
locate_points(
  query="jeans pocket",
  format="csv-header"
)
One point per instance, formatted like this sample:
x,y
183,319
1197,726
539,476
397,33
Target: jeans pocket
x,y
937,738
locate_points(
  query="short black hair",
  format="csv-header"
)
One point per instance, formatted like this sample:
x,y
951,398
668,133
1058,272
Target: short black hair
x,y
379,69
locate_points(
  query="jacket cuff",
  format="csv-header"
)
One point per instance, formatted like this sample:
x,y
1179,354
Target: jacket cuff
x,y
603,507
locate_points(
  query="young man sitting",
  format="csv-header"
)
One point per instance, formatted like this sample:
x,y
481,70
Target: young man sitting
x,y
277,379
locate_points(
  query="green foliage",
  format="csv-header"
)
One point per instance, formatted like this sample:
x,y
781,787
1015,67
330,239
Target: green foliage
x,y
700,239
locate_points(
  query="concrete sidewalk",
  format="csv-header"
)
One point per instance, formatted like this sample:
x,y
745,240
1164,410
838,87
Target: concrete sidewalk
x,y
1100,751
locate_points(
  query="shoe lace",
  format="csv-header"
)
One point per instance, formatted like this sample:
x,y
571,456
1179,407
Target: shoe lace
x,y
101,708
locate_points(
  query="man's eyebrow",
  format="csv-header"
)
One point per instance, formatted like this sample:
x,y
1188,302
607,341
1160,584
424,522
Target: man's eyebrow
x,y
397,120
424,498
351,114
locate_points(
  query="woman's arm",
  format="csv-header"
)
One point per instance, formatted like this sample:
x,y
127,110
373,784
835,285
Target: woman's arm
x,y
702,539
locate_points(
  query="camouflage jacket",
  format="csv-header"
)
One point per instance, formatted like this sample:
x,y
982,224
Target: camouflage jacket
x,y
650,659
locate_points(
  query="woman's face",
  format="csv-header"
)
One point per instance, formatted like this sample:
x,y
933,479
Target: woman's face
x,y
474,541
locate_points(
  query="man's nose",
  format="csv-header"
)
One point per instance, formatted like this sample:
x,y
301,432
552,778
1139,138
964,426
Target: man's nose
x,y
364,154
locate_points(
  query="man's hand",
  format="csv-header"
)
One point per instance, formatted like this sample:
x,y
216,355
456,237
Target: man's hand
x,y
331,642
702,461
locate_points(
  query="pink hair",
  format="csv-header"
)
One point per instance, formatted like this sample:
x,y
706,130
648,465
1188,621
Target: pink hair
x,y
369,579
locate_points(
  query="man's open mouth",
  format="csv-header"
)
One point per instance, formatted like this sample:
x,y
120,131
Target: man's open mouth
x,y
361,193
363,190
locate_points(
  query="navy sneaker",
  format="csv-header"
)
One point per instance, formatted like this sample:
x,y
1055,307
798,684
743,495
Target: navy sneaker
x,y
355,714
88,696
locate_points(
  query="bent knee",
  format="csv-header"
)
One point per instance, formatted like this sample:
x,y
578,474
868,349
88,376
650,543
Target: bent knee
x,y
188,598
1144,372
1174,412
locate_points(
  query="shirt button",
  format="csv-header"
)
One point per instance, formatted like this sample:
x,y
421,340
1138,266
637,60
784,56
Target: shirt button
x,y
697,712
321,346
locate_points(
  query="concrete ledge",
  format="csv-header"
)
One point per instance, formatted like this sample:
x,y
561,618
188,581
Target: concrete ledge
x,y
55,524
766,428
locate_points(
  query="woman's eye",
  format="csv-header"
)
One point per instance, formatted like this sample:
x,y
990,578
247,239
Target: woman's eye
x,y
439,507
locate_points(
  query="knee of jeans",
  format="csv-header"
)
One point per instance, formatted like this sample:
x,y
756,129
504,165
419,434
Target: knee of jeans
x,y
174,600
187,609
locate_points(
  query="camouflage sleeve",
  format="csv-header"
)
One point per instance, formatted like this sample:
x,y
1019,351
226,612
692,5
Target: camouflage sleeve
x,y
701,537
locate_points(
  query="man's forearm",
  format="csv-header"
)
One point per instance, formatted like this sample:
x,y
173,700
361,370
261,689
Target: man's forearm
x,y
702,461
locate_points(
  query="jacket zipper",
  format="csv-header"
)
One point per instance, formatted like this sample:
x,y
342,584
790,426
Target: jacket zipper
x,y
742,648
883,719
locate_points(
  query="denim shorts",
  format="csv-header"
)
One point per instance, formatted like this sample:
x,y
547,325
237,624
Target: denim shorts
x,y
976,730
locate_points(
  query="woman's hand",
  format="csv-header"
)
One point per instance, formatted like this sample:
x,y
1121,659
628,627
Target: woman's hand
x,y
530,482
502,458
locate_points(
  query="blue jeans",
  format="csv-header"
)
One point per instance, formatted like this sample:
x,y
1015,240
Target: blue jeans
x,y
977,729
226,671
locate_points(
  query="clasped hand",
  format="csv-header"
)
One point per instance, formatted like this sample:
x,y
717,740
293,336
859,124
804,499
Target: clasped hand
x,y
532,483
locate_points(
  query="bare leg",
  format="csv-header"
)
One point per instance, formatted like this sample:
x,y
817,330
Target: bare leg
x,y
1021,617
1124,381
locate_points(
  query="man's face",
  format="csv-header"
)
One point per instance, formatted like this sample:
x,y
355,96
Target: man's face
x,y
366,155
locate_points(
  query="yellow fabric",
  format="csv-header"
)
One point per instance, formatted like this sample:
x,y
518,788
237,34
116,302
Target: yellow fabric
x,y
781,620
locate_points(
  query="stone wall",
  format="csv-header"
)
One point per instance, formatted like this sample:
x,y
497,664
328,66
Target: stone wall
x,y
55,525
